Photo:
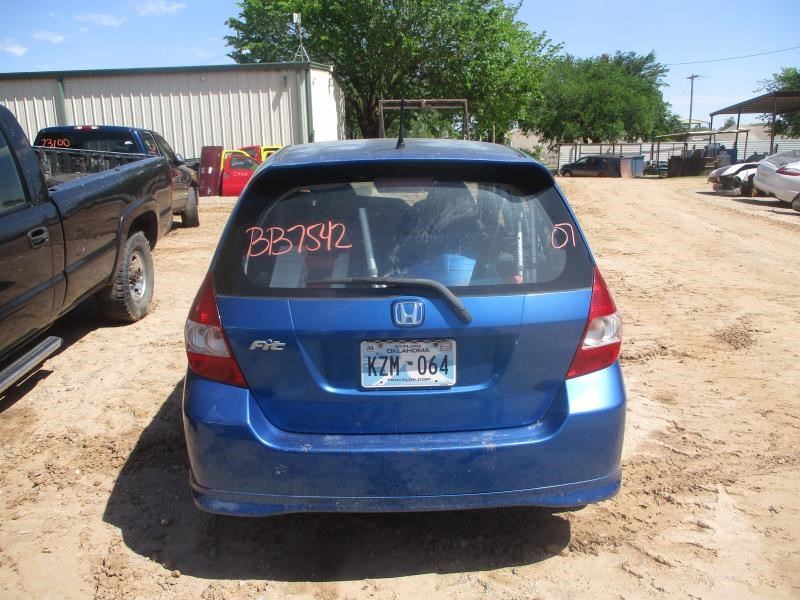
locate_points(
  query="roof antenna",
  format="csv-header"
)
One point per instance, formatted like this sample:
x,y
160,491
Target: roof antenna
x,y
301,55
400,141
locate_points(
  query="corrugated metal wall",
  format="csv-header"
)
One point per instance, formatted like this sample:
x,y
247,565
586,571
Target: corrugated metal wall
x,y
32,101
324,100
191,109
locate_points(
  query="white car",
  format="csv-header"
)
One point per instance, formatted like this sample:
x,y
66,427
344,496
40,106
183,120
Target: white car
x,y
779,175
734,179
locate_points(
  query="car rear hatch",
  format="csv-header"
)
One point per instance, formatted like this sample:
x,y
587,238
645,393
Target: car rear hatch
x,y
328,284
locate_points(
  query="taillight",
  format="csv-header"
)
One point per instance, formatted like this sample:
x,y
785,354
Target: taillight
x,y
208,351
602,337
788,171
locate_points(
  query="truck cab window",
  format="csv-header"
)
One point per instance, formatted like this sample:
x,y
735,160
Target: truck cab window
x,y
150,144
12,194
242,162
165,149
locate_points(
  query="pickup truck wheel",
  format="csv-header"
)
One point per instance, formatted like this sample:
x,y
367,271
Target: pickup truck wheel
x,y
128,297
190,216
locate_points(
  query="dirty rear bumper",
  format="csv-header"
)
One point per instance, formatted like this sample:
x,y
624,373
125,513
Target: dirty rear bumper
x,y
243,465
261,505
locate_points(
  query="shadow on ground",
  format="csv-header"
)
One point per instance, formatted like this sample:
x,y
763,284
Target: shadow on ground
x,y
152,506
771,203
72,327
766,202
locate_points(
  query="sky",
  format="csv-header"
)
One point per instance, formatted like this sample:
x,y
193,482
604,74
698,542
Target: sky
x,y
103,34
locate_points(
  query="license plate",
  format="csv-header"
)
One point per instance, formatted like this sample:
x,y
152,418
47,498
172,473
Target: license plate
x,y
412,363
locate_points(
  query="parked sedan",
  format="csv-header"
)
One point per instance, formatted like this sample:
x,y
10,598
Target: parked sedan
x,y
779,176
588,166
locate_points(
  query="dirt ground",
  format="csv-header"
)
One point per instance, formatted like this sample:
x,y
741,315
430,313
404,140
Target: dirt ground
x,y
94,497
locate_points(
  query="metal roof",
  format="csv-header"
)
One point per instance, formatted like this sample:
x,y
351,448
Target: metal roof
x,y
704,133
774,102
162,70
384,149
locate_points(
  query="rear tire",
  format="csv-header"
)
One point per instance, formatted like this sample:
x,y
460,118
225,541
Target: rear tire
x,y
127,299
796,203
190,216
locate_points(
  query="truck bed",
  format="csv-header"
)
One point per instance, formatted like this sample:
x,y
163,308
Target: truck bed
x,y
60,165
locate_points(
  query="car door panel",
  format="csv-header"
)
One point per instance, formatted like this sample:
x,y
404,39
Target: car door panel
x,y
234,176
181,175
27,238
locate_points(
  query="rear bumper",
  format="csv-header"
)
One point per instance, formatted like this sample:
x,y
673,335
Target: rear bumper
x,y
243,465
781,193
262,505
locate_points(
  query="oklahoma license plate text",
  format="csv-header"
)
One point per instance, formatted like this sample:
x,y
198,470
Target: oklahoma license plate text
x,y
398,364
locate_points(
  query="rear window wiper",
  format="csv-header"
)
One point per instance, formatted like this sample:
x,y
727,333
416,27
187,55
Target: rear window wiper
x,y
428,284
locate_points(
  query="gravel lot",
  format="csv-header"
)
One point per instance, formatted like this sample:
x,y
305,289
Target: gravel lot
x,y
94,499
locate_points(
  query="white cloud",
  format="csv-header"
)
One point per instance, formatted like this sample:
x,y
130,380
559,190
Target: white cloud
x,y
13,48
151,8
48,36
101,19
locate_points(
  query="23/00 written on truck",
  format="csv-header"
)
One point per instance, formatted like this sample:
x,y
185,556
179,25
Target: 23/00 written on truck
x,y
67,233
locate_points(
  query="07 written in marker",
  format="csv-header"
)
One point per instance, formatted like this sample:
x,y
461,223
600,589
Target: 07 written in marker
x,y
563,234
274,241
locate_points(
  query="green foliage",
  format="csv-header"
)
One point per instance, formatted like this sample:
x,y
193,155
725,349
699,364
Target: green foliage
x,y
425,124
671,123
787,80
535,152
729,123
603,99
473,49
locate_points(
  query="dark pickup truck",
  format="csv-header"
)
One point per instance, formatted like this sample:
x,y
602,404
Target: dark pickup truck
x,y
131,140
66,235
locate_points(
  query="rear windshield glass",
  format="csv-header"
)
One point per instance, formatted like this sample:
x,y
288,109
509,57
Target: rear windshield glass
x,y
475,237
102,141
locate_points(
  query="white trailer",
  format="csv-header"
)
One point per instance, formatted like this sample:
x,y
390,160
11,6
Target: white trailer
x,y
271,104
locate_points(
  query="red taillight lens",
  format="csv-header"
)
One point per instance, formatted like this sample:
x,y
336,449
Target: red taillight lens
x,y
206,347
602,337
788,171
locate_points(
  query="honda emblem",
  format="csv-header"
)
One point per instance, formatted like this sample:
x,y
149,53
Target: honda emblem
x,y
408,313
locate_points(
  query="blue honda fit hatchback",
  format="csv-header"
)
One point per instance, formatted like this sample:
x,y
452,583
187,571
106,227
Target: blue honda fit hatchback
x,y
402,329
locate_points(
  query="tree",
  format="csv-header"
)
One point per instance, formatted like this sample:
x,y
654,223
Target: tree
x,y
602,99
787,80
473,49
729,123
641,66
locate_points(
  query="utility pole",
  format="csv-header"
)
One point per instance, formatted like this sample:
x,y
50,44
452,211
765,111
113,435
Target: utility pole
x,y
691,97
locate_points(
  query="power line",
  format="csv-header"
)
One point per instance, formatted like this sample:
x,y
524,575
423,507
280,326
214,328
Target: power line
x,y
698,62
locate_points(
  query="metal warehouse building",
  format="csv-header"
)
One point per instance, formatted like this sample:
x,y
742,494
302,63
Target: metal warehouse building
x,y
192,107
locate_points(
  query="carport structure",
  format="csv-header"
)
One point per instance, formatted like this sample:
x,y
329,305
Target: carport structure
x,y
775,103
